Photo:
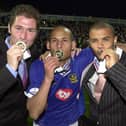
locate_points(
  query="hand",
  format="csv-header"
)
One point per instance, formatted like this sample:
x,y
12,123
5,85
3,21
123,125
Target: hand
x,y
50,64
43,56
14,55
75,52
110,57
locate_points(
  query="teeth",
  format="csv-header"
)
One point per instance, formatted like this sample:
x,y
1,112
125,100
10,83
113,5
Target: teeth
x,y
22,45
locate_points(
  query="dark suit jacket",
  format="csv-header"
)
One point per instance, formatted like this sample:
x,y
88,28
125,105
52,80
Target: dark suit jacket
x,y
111,110
13,110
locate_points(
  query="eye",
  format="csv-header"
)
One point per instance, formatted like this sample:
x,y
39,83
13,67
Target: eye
x,y
64,40
18,28
93,40
106,39
53,40
32,30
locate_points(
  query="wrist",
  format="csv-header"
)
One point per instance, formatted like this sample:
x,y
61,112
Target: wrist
x,y
48,80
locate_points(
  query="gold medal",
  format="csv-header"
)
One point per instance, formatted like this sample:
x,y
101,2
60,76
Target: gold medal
x,y
22,45
59,54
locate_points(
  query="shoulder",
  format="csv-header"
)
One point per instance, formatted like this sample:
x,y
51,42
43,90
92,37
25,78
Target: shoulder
x,y
86,53
36,64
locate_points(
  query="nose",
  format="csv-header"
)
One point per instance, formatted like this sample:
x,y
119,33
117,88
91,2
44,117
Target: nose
x,y
59,44
23,35
100,44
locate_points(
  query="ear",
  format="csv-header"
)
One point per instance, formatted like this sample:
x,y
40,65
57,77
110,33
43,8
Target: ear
x,y
115,40
9,29
48,45
74,44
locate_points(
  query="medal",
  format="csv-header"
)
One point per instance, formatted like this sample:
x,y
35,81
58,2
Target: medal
x,y
21,45
59,54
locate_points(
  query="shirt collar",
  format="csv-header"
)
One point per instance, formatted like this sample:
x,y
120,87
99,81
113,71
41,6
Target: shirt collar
x,y
7,41
65,69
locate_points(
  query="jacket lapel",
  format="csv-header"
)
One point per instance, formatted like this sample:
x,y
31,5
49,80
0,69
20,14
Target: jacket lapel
x,y
86,78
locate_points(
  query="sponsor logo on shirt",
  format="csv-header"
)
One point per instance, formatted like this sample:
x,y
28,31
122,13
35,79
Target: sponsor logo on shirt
x,y
64,94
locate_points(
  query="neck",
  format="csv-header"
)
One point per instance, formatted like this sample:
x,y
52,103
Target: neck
x,y
63,62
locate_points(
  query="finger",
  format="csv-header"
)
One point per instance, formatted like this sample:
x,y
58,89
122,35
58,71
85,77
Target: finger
x,y
78,50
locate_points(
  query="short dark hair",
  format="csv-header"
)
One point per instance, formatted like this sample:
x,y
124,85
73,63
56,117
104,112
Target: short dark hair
x,y
102,24
24,10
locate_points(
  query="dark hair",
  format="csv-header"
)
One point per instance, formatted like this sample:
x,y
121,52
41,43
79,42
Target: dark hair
x,y
24,10
102,24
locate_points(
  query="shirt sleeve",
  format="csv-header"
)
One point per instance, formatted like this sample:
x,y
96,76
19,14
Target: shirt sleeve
x,y
117,75
85,57
12,71
36,75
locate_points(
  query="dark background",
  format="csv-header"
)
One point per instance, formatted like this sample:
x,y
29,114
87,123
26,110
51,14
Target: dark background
x,y
94,8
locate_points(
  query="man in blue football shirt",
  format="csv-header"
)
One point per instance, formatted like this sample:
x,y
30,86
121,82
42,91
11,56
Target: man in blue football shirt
x,y
54,92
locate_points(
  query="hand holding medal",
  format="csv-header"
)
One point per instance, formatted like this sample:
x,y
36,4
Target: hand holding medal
x,y
21,45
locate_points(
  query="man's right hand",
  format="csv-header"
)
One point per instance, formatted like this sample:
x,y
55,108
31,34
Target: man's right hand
x,y
44,55
14,55
50,64
110,56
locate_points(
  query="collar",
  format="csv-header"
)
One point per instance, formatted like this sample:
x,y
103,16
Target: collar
x,y
94,78
7,41
119,51
65,69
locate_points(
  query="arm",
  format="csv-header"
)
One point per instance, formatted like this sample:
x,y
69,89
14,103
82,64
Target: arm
x,y
7,77
116,70
36,104
6,81
117,75
84,58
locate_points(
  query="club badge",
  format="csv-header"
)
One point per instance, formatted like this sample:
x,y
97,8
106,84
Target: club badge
x,y
73,78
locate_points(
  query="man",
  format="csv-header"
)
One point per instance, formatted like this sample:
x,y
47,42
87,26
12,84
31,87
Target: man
x,y
108,98
54,92
23,26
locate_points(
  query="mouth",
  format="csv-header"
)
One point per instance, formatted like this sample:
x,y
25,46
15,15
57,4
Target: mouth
x,y
99,52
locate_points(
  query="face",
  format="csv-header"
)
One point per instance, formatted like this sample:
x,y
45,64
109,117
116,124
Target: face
x,y
101,39
24,29
61,40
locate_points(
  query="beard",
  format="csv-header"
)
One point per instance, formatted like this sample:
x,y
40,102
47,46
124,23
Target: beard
x,y
98,54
